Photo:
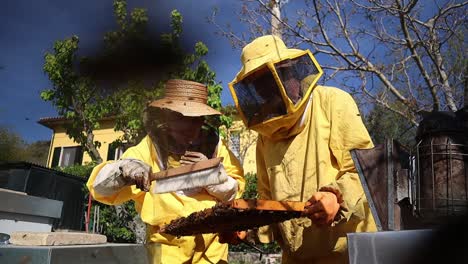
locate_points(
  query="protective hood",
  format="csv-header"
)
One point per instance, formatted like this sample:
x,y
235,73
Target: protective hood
x,y
273,88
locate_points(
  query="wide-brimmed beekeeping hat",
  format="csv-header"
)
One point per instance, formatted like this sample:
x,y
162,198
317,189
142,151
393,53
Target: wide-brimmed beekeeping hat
x,y
185,97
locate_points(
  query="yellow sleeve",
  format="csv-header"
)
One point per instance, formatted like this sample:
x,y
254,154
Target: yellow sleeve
x,y
347,132
265,233
232,166
125,194
263,183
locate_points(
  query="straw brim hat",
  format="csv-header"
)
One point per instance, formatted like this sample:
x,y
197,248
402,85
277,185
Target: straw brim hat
x,y
185,97
262,50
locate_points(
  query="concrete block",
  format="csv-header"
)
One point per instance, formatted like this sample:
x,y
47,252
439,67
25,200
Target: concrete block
x,y
55,238
75,254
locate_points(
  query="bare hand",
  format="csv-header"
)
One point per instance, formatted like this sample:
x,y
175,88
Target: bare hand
x,y
191,157
232,238
322,208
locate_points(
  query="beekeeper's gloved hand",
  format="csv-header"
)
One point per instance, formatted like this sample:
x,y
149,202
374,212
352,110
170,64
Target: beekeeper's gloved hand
x,y
322,208
226,191
191,157
114,176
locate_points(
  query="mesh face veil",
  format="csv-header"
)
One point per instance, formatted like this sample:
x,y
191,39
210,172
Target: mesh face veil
x,y
276,88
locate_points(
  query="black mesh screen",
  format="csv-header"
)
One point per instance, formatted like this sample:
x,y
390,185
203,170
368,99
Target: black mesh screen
x,y
294,75
259,97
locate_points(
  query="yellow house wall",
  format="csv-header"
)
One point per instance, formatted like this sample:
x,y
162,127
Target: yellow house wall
x,y
105,134
248,144
250,165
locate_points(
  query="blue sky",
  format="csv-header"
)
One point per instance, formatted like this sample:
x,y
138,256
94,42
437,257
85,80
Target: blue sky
x,y
29,28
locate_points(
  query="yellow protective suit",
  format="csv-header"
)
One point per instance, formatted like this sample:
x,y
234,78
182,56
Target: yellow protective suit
x,y
158,209
316,157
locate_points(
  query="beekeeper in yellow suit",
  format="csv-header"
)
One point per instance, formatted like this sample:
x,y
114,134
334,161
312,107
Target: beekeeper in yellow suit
x,y
174,137
306,132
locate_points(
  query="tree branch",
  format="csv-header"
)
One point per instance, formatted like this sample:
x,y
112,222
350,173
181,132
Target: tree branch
x,y
417,59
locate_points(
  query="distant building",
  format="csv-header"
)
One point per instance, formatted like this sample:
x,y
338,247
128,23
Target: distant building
x,y
243,143
64,151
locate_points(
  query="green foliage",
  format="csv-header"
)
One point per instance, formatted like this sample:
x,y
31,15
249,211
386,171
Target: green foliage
x,y
251,193
37,152
229,110
130,26
131,100
129,105
269,248
78,170
116,225
382,123
11,145
196,69
79,99
74,96
14,148
172,39
250,186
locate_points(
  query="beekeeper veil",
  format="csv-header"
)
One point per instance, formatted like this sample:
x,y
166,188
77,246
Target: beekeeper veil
x,y
274,85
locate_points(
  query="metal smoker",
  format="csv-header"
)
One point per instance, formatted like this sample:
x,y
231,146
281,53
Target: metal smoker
x,y
417,196
440,182
420,188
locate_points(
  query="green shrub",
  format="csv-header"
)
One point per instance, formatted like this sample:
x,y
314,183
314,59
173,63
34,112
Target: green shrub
x,y
251,193
250,186
82,171
114,225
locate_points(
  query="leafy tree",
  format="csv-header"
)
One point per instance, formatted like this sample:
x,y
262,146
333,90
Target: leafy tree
x,y
14,148
74,96
382,124
133,98
78,94
11,145
37,152
398,54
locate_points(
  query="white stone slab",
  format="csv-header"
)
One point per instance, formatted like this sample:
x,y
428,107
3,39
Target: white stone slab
x,y
55,238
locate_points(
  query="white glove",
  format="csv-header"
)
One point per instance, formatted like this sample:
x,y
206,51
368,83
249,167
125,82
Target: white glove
x,y
226,191
114,176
